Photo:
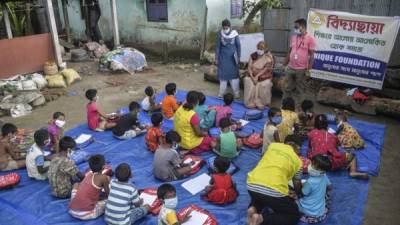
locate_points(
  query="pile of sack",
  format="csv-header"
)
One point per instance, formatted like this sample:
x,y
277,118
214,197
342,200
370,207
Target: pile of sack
x,y
96,50
56,79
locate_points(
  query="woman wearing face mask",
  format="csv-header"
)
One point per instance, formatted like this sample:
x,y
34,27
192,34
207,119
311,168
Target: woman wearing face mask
x,y
270,133
227,56
257,85
56,130
267,185
187,124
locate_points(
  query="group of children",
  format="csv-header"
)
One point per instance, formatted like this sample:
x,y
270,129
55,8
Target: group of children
x,y
94,192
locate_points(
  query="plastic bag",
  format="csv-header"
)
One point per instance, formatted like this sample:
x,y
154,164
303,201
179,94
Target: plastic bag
x,y
70,76
56,81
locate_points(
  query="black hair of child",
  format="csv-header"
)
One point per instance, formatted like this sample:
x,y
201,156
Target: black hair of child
x,y
170,88
322,162
156,119
293,138
40,137
164,189
192,99
96,163
321,122
90,94
221,164
273,111
149,91
288,104
123,172
66,143
307,105
134,106
225,122
228,98
202,98
8,128
172,136
57,115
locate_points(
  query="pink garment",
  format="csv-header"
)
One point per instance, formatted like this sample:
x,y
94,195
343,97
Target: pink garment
x,y
222,112
323,142
299,55
195,120
54,132
93,116
87,195
204,146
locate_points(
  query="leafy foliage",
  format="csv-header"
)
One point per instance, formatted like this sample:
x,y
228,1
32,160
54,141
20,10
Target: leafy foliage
x,y
249,5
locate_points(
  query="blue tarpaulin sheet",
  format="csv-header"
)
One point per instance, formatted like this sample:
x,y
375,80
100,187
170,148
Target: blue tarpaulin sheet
x,y
31,202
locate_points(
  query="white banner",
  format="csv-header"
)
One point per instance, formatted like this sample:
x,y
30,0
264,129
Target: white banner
x,y
352,48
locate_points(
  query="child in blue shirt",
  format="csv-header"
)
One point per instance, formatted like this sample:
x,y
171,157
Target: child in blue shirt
x,y
206,115
313,204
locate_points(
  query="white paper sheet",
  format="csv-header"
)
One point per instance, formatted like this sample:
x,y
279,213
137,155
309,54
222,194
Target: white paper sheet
x,y
197,218
197,184
243,122
148,199
46,153
332,131
189,160
83,138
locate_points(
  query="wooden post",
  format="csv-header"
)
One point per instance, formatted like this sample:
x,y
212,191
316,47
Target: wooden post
x,y
7,22
54,33
29,29
114,16
66,21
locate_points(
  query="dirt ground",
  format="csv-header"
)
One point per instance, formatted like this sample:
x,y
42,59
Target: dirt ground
x,y
383,204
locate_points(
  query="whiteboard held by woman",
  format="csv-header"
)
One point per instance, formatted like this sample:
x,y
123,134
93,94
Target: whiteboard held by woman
x,y
227,55
258,83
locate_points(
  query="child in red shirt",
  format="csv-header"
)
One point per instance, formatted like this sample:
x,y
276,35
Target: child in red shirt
x,y
155,136
222,190
96,120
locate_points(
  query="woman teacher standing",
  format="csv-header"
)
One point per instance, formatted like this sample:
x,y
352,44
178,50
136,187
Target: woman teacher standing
x,y
227,56
257,85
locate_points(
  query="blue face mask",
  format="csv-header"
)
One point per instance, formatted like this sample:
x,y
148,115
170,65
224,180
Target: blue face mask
x,y
276,120
175,146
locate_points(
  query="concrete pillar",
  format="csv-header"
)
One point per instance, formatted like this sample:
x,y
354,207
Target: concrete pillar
x,y
54,33
114,16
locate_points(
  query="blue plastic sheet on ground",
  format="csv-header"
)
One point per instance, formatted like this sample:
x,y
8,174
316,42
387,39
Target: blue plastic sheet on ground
x,y
31,202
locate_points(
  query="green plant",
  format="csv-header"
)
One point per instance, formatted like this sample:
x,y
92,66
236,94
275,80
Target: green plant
x,y
17,20
251,8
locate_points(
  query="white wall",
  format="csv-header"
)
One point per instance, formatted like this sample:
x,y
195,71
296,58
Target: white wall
x,y
219,10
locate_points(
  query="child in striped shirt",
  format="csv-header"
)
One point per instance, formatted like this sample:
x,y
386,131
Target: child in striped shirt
x,y
124,206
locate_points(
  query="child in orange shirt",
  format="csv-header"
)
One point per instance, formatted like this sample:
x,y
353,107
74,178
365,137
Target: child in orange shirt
x,y
169,104
155,136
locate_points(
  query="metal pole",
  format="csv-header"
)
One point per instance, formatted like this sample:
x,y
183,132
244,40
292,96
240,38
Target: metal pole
x,y
114,16
53,30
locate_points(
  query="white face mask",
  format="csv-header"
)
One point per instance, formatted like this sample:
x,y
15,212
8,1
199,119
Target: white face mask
x,y
13,139
226,31
260,52
313,172
171,203
297,31
60,123
97,98
175,146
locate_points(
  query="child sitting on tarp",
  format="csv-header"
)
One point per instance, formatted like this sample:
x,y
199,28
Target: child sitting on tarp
x,y
155,136
124,206
37,164
148,103
290,119
225,111
86,203
312,203
167,194
227,144
56,130
96,120
128,125
167,165
10,158
169,104
206,115
62,170
270,132
306,117
222,190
